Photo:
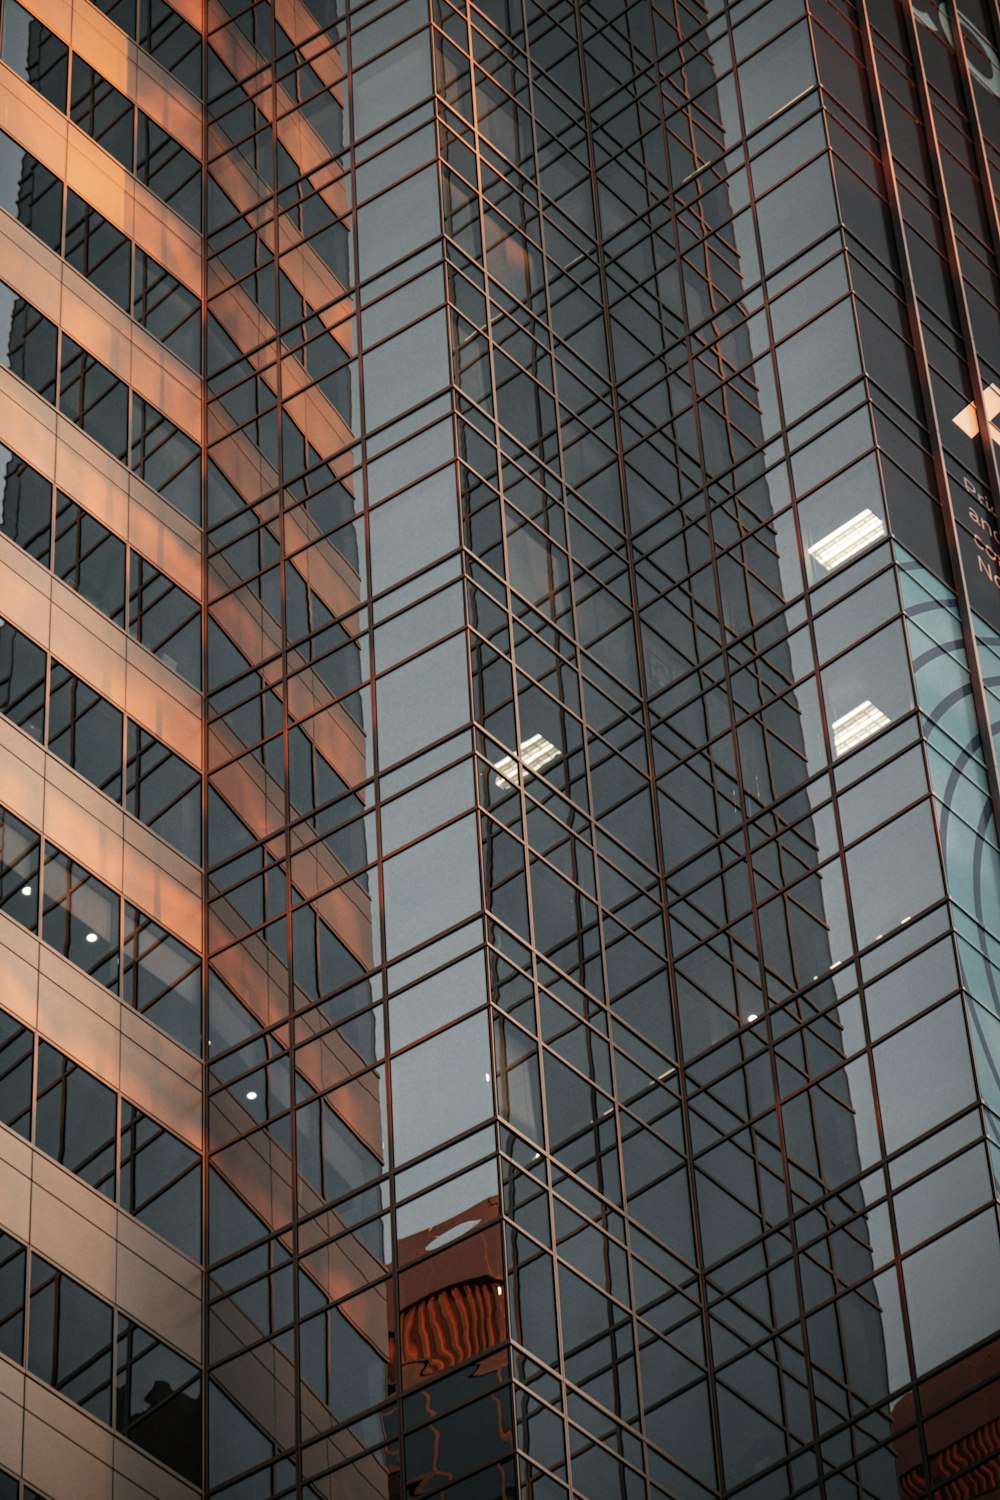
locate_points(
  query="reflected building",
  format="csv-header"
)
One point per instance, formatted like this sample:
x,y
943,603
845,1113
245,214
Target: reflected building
x,y
499,697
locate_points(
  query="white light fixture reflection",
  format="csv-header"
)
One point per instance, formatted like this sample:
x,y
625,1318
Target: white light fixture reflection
x,y
91,937
252,1094
859,725
533,755
839,546
26,890
753,1016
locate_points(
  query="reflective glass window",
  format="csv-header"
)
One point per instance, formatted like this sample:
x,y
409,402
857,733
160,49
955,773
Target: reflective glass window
x,y
165,619
90,558
97,249
158,1399
13,1268
76,1119
17,1046
30,192
169,171
162,978
85,731
19,855
169,310
163,791
27,343
25,505
160,1180
22,681
104,113
166,458
171,40
80,917
71,1340
95,399
37,54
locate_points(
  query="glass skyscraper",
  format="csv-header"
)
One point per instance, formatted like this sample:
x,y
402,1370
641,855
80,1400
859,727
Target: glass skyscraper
x,y
499,722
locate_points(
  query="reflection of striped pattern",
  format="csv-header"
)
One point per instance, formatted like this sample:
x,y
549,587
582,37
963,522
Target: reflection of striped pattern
x,y
966,1470
452,1325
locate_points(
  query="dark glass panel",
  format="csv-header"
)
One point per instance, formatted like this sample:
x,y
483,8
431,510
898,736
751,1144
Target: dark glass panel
x,y
22,681
13,1267
104,113
95,399
19,852
85,731
76,1119
80,917
166,458
165,619
158,1401
28,346
90,558
25,505
30,192
71,1338
169,171
97,249
175,45
36,53
17,1045
167,308
162,978
122,12
163,792
160,1180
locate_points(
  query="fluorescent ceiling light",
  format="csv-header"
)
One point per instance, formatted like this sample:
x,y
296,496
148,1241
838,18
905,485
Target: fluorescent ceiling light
x,y
533,755
853,537
857,726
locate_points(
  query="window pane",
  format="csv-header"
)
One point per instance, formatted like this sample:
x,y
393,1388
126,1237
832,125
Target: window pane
x,y
22,681
165,619
167,309
19,853
163,792
161,1180
175,45
94,399
169,171
13,1259
25,505
85,731
30,192
16,1064
33,51
27,343
98,249
80,917
159,1400
162,978
122,12
165,458
70,1344
99,109
76,1119
90,558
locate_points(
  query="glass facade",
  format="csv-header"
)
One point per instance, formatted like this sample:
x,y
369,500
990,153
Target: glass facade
x,y
500,707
